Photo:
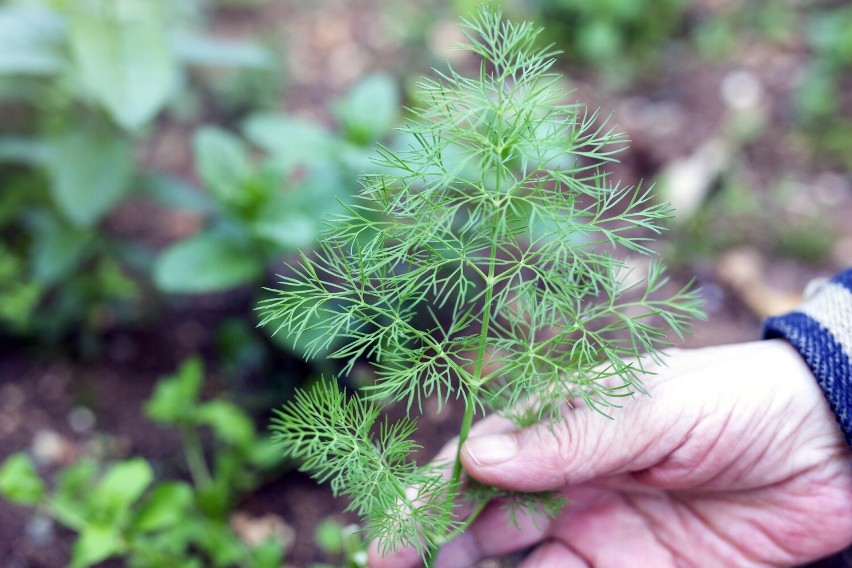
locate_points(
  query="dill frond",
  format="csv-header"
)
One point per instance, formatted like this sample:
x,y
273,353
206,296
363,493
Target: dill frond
x,y
485,261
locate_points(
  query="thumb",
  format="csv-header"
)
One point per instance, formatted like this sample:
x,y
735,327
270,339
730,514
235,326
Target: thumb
x,y
582,446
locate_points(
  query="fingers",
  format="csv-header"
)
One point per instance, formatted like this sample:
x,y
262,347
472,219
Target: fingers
x,y
711,420
554,555
405,558
491,425
493,534
582,446
595,518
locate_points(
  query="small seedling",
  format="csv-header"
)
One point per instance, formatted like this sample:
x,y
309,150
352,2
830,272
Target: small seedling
x,y
485,263
122,511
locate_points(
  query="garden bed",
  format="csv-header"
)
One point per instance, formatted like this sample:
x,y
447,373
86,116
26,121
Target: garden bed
x,y
779,217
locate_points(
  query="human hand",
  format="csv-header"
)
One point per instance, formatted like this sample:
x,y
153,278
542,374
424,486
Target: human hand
x,y
734,460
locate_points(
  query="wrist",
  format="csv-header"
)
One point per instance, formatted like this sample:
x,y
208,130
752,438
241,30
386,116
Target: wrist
x,y
820,330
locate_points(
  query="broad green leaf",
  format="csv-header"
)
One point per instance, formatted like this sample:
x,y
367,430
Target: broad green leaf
x,y
208,262
19,297
32,151
293,219
329,536
175,396
114,281
218,541
172,548
214,52
168,505
265,454
123,52
30,38
19,481
230,424
291,141
96,544
15,198
222,162
120,487
73,487
599,40
369,111
268,554
175,193
57,248
216,499
90,174
287,226
359,160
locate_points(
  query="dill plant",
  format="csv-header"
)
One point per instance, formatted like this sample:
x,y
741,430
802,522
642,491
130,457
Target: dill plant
x,y
484,262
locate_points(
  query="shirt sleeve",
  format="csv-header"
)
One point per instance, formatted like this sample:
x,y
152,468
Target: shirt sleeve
x,y
821,331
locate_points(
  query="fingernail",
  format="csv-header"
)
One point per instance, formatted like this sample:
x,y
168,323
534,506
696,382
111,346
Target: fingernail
x,y
492,450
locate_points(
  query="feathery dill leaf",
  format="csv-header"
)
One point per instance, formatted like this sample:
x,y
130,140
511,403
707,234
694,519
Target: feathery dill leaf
x,y
332,436
484,261
535,506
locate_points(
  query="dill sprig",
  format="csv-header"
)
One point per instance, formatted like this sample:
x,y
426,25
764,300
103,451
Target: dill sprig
x,y
483,262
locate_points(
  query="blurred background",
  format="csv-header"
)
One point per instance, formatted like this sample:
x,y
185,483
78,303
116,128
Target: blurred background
x,y
159,161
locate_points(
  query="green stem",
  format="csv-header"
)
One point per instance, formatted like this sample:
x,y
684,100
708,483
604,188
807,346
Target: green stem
x,y
432,557
65,515
470,407
194,454
469,521
479,365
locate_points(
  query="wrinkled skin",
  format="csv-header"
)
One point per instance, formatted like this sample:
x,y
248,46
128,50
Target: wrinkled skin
x,y
734,460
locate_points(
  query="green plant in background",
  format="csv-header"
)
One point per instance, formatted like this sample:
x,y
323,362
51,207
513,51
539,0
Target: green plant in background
x,y
80,82
617,38
122,511
820,95
476,265
125,57
725,30
271,203
342,542
820,113
263,208
770,221
831,47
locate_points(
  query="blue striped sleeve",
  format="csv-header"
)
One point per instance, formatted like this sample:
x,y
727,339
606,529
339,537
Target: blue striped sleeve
x,y
821,331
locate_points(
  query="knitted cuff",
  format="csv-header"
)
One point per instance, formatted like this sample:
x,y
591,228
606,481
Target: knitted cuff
x,y
821,331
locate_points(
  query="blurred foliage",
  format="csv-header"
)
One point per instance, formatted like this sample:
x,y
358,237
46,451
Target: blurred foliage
x,y
820,29
733,216
260,209
121,510
80,83
822,97
271,188
724,31
342,543
618,39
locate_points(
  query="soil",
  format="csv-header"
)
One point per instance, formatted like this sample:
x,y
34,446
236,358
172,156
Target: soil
x,y
61,406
